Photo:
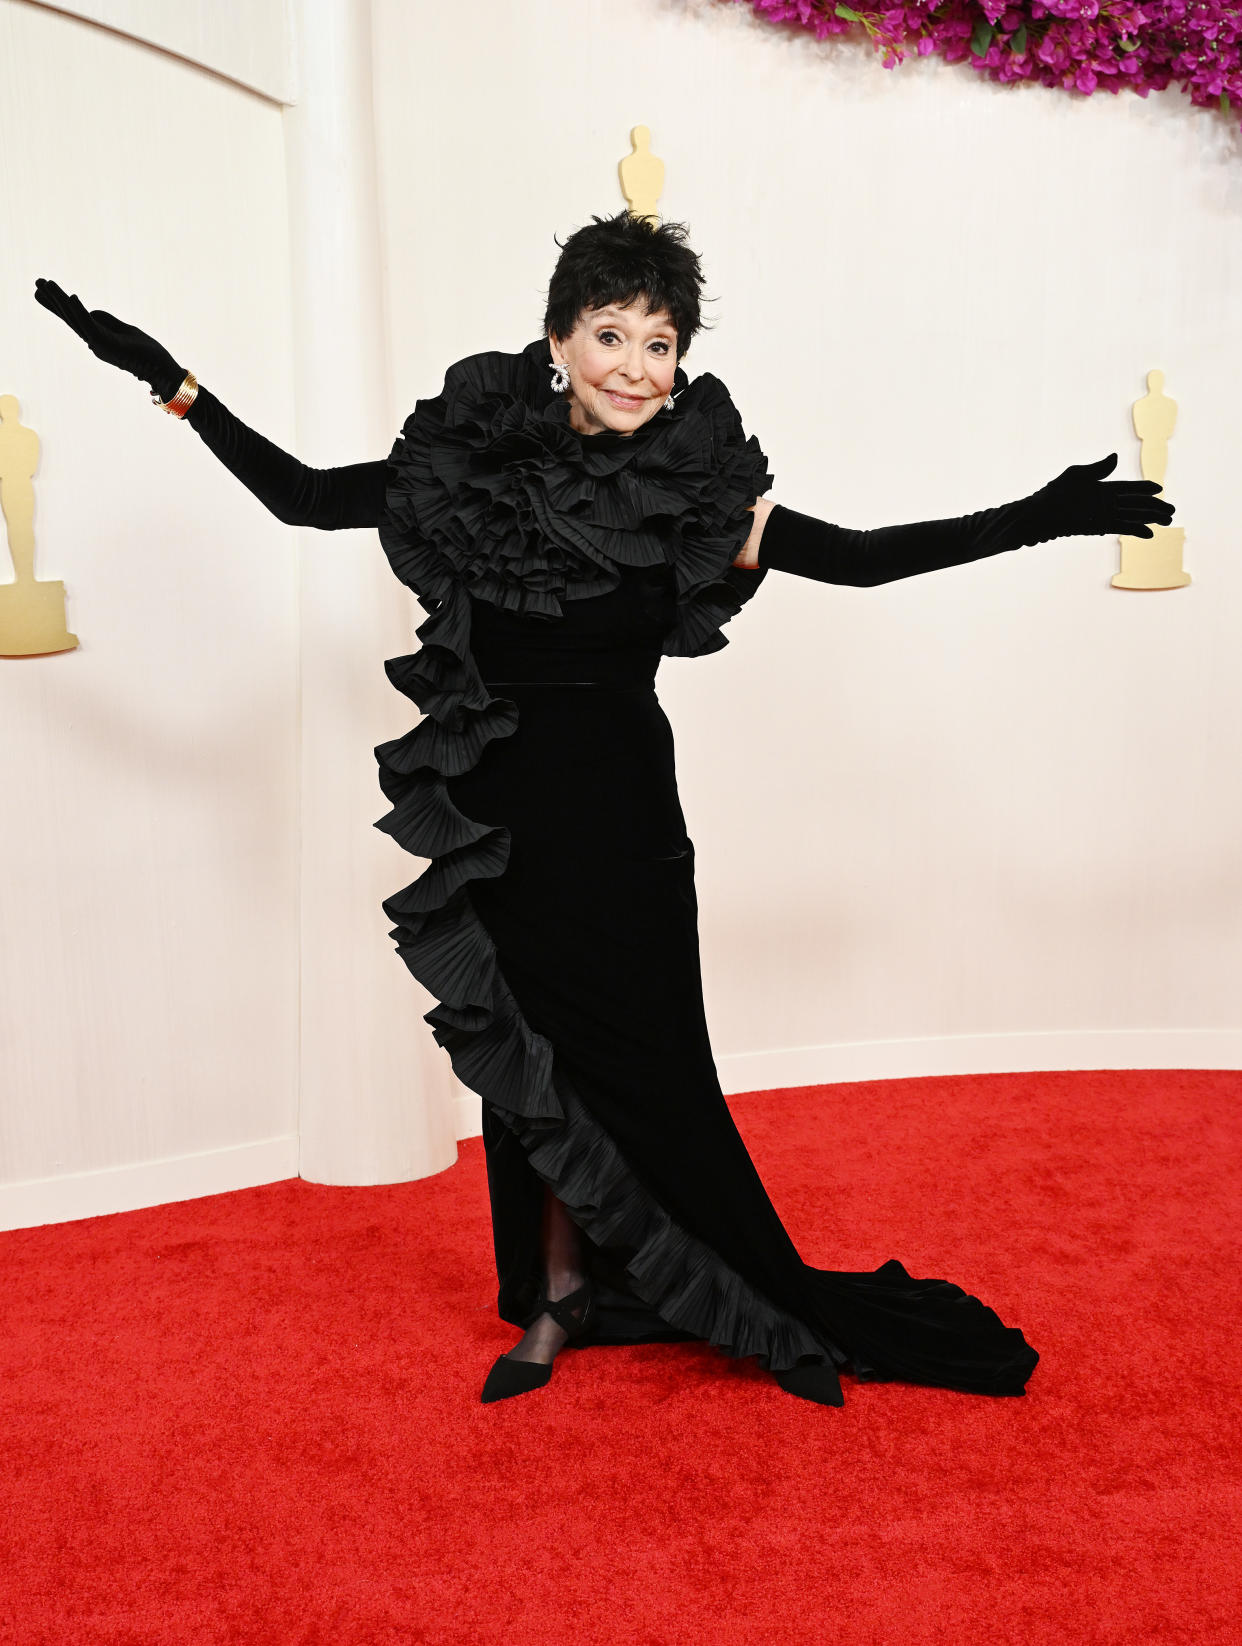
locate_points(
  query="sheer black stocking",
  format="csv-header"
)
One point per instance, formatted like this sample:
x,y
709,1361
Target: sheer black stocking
x,y
562,1253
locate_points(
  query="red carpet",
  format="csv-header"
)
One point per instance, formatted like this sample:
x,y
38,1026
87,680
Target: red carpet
x,y
255,1417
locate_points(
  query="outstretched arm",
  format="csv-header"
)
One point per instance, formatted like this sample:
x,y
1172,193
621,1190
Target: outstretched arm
x,y
331,499
1078,502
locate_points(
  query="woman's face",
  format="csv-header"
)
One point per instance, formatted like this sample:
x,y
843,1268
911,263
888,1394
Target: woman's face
x,y
621,364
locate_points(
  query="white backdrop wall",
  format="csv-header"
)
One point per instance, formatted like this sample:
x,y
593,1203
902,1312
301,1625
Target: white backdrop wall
x,y
984,819
148,903
197,988
978,820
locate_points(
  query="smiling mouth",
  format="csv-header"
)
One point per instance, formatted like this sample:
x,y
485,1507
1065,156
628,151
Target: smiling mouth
x,y
626,400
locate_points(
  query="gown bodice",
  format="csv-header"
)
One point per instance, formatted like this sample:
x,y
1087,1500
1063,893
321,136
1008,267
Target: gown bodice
x,y
610,639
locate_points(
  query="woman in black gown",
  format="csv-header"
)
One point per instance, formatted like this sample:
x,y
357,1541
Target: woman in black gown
x,y
566,516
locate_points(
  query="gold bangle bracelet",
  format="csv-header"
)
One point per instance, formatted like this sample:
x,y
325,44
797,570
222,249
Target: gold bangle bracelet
x,y
182,400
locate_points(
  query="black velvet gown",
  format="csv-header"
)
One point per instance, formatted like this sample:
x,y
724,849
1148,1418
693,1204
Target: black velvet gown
x,y
556,920
594,923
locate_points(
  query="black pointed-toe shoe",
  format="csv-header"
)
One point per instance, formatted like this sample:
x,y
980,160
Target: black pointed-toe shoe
x,y
817,1382
519,1377
514,1377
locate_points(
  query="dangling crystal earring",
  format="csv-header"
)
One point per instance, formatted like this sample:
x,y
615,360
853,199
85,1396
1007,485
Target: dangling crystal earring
x,y
668,404
560,377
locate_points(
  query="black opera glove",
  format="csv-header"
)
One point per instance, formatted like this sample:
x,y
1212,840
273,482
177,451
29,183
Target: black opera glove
x,y
1078,502
113,341
329,499
1081,503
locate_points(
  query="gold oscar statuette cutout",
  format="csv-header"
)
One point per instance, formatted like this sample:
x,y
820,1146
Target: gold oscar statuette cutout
x,y
32,613
642,176
1154,562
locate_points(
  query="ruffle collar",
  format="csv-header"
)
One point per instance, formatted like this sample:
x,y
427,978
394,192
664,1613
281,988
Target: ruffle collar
x,y
490,487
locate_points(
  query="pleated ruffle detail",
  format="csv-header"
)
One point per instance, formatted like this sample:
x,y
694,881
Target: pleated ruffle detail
x,y
679,1276
488,483
493,495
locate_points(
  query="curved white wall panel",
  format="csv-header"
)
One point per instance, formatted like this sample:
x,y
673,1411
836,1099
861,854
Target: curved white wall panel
x,y
149,826
249,41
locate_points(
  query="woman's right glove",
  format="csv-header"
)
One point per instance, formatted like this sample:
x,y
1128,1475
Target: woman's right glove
x,y
114,341
328,499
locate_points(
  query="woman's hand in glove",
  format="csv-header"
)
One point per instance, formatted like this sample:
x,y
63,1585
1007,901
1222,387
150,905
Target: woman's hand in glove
x,y
1081,503
112,340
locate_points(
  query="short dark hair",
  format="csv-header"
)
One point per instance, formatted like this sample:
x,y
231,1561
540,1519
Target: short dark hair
x,y
622,258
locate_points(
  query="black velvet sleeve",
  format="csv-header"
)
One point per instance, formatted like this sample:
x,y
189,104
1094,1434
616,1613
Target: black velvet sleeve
x,y
800,543
331,499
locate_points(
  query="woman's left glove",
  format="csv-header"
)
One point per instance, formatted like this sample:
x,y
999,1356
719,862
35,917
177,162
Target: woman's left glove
x,y
1081,503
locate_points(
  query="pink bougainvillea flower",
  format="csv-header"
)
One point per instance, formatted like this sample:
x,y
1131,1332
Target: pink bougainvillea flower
x,y
1084,46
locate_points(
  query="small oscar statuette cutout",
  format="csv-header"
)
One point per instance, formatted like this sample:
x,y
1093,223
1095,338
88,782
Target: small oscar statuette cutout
x,y
642,176
32,613
1154,562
